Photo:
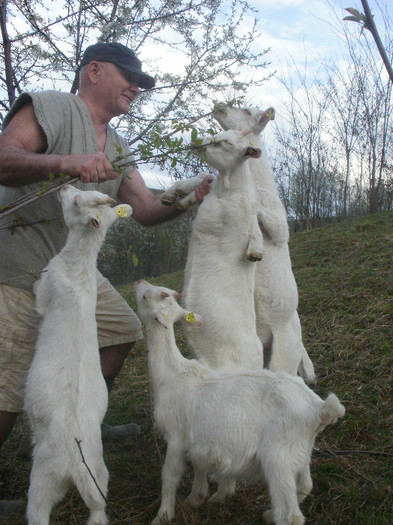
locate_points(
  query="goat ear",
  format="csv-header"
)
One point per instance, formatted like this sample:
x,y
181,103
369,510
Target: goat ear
x,y
77,200
103,201
123,210
164,295
193,318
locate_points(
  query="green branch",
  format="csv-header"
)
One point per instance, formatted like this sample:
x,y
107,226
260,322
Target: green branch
x,y
367,22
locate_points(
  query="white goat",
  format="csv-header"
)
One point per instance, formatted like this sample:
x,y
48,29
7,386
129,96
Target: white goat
x,y
225,243
276,296
66,395
244,425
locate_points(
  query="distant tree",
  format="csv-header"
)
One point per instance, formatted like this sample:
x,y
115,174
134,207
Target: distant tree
x,y
304,150
131,251
344,101
335,154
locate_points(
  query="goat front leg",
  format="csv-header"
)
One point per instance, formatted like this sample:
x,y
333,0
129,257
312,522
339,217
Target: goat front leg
x,y
273,221
171,474
255,241
185,190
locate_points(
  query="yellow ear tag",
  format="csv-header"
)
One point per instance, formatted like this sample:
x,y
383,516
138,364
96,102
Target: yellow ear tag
x,y
191,318
166,318
122,211
270,115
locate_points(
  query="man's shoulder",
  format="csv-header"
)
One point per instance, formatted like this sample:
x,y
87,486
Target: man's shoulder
x,y
52,95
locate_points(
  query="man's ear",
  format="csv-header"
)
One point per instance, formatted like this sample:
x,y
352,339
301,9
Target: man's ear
x,y
94,70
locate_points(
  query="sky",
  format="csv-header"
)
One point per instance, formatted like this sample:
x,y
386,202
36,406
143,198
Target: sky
x,y
300,34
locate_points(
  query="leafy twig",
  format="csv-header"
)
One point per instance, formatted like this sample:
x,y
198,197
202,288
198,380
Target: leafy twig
x,y
34,195
367,21
155,141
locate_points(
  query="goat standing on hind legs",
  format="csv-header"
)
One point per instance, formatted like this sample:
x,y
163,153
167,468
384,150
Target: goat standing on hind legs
x,y
66,395
239,425
276,295
225,243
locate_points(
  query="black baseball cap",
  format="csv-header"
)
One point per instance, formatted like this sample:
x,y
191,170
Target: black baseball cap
x,y
120,55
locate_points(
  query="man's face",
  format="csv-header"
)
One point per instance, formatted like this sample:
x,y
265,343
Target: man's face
x,y
119,88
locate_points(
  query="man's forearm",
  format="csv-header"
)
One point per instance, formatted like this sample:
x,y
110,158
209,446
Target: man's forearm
x,y
19,167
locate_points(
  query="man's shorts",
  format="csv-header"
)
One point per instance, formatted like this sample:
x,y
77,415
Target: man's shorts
x,y
117,324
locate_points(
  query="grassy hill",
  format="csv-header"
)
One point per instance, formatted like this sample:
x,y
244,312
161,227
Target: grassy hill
x,y
345,279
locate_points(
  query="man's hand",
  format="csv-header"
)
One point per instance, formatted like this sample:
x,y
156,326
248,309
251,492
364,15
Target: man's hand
x,y
204,188
90,167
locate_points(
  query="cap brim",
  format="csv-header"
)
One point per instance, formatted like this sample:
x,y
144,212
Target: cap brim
x,y
144,81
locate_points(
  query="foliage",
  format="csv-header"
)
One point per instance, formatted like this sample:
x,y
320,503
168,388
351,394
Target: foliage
x,y
345,285
194,49
132,252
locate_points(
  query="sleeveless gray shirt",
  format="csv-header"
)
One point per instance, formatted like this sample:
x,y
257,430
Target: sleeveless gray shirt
x,y
35,233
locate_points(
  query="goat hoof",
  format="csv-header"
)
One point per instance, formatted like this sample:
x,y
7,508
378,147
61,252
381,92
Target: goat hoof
x,y
195,501
167,201
254,257
268,516
180,206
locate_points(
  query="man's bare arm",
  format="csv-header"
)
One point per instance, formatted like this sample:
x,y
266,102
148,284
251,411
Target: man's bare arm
x,y
147,207
23,161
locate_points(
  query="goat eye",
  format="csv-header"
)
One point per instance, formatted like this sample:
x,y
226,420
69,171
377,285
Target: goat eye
x,y
247,111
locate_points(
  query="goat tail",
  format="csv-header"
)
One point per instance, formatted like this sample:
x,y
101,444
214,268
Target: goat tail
x,y
331,410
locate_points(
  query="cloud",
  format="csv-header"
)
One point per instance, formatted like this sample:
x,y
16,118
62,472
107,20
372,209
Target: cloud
x,y
277,4
156,180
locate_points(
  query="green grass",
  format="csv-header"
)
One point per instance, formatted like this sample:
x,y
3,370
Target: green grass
x,y
345,279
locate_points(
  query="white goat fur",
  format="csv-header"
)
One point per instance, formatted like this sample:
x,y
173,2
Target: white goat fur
x,y
276,296
220,270
66,396
241,425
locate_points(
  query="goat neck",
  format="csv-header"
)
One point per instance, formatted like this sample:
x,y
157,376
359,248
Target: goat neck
x,y
164,359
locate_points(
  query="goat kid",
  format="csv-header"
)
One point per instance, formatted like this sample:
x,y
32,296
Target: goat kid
x,y
66,396
244,425
276,295
225,244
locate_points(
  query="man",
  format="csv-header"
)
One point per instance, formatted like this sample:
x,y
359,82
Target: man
x,y
52,133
